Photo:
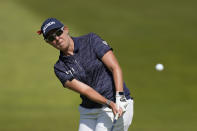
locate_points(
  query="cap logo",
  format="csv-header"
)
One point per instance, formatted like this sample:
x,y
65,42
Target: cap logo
x,y
104,42
47,25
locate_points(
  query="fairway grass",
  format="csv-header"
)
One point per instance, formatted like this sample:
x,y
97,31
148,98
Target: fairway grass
x,y
142,34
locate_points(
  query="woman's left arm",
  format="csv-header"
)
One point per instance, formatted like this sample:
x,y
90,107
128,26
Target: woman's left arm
x,y
111,62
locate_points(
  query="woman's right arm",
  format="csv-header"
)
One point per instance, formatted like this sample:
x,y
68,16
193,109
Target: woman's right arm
x,y
90,93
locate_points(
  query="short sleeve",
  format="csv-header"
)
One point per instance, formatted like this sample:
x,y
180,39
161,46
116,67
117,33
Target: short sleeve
x,y
63,75
100,46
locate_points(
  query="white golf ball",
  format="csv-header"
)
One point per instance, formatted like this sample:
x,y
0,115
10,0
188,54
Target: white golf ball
x,y
159,67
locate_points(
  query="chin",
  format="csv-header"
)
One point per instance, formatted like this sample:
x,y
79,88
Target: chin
x,y
62,47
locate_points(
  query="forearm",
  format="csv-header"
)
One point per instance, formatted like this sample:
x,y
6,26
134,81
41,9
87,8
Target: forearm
x,y
90,93
95,96
86,90
118,79
117,76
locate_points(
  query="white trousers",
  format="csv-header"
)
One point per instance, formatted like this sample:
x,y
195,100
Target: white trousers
x,y
101,119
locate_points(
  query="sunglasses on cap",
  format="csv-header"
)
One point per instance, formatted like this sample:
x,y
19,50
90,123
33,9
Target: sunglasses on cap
x,y
52,36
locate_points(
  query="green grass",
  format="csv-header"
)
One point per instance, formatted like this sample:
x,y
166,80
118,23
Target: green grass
x,y
142,34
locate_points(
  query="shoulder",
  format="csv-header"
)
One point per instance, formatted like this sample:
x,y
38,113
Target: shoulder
x,y
59,65
92,38
93,35
87,36
84,40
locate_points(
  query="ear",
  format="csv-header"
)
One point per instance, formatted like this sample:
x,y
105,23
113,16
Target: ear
x,y
66,29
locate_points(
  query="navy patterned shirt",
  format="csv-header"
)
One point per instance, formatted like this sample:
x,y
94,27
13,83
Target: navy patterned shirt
x,y
86,66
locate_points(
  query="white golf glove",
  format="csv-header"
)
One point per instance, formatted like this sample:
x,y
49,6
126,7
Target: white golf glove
x,y
121,101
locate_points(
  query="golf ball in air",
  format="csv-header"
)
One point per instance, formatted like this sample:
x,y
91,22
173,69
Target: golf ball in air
x,y
159,67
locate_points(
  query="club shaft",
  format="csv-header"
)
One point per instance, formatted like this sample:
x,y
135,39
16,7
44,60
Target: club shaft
x,y
114,122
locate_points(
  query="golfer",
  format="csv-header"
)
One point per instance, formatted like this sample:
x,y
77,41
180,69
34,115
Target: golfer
x,y
88,66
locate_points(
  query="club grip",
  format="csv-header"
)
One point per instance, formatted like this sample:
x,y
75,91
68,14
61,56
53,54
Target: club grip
x,y
116,117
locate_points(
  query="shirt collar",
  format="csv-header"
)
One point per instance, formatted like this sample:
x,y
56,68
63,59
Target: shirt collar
x,y
76,46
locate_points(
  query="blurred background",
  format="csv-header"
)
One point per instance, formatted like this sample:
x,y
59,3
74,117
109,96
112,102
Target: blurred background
x,y
142,34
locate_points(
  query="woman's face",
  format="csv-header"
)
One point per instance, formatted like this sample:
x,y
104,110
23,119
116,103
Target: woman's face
x,y
59,38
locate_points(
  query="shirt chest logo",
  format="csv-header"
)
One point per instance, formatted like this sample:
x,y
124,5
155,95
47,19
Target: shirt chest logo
x,y
71,72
